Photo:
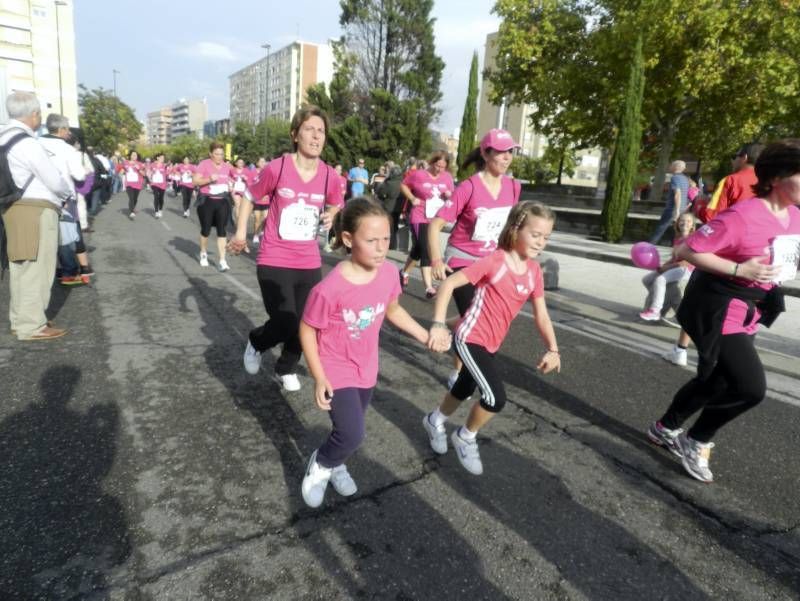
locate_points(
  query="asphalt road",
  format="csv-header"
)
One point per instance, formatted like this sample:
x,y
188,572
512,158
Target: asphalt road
x,y
140,461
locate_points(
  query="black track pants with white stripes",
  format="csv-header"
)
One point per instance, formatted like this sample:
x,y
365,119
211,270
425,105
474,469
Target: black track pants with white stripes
x,y
479,371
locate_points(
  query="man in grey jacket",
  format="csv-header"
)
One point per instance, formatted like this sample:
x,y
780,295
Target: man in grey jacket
x,y
31,223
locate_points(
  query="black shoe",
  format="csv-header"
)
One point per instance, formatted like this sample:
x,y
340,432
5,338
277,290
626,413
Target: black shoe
x,y
87,270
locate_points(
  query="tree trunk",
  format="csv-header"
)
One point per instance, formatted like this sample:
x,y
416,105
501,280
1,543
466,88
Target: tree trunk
x,y
560,167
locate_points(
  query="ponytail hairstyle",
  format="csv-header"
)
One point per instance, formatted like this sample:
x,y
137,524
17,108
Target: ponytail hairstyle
x,y
518,217
349,218
474,158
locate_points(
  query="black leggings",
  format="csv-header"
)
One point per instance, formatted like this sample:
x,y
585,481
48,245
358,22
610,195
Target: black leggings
x,y
479,371
187,197
284,292
158,198
213,212
133,198
419,251
736,385
463,295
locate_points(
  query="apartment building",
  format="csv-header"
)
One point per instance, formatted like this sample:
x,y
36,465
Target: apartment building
x,y
159,126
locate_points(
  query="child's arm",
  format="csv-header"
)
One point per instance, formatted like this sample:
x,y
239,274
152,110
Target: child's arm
x,y
401,319
439,327
323,391
551,359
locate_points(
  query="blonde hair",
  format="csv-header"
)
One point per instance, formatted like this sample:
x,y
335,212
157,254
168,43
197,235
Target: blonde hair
x,y
516,219
681,216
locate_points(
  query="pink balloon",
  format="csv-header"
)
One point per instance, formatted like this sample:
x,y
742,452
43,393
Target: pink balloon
x,y
645,255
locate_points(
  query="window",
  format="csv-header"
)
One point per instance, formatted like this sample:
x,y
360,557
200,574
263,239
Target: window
x,y
39,12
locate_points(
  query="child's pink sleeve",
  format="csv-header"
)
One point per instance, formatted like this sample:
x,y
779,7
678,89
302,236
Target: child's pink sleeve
x,y
318,308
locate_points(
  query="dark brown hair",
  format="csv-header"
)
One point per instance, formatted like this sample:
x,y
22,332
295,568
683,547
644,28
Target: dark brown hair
x,y
348,219
440,155
518,216
304,114
214,145
778,160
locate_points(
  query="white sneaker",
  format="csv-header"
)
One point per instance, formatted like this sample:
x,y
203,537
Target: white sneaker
x,y
677,355
289,382
203,259
342,481
467,453
256,240
315,482
436,435
186,213
223,265
451,379
158,214
132,216
695,456
252,359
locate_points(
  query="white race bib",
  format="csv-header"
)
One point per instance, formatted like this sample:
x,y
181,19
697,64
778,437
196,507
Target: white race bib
x,y
432,206
489,224
299,222
786,253
238,186
157,178
217,189
186,178
131,176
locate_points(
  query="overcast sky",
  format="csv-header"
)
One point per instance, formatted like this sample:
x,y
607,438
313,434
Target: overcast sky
x,y
170,49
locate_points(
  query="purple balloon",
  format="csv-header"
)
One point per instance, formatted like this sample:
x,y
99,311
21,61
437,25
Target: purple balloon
x,y
645,255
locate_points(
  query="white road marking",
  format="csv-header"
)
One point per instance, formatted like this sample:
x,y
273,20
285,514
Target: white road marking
x,y
168,228
241,287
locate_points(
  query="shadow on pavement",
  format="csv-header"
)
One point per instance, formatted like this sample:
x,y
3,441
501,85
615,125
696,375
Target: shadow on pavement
x,y
393,558
60,534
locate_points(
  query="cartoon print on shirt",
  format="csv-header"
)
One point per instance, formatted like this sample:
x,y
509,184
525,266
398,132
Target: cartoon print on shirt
x,y
365,318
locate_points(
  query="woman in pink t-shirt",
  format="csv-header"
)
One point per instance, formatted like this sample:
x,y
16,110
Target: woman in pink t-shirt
x,y
339,333
479,208
504,281
214,178
426,190
304,194
742,256
158,176
186,183
133,171
241,179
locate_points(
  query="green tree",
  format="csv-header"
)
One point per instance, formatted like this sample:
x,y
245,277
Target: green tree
x,y
106,121
469,120
624,161
717,71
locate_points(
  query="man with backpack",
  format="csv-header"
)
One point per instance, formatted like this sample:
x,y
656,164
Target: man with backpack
x,y
32,192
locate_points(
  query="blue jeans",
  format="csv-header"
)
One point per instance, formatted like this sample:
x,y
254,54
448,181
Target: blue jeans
x,y
67,261
666,221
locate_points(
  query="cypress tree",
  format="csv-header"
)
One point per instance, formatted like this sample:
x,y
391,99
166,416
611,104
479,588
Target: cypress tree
x,y
624,161
469,121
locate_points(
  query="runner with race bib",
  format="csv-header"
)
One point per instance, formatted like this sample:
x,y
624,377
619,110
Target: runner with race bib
x,y
479,208
304,193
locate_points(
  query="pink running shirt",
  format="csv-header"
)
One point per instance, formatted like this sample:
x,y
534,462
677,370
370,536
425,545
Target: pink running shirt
x,y
132,171
748,229
158,176
430,190
290,229
224,176
499,295
348,320
185,172
479,218
241,180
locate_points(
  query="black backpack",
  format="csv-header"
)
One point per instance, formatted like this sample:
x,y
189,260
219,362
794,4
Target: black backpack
x,y
9,193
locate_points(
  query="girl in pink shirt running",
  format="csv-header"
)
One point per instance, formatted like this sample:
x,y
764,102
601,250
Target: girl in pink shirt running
x,y
158,174
339,333
503,282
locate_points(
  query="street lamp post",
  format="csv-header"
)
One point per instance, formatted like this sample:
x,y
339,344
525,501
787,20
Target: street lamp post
x,y
115,82
58,52
266,48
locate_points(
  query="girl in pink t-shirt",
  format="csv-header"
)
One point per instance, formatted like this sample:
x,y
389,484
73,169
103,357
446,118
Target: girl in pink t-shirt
x,y
742,256
133,171
339,334
185,182
304,194
241,180
426,190
479,209
504,281
674,270
158,176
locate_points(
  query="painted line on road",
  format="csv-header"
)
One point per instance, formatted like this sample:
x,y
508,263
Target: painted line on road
x,y
168,228
241,287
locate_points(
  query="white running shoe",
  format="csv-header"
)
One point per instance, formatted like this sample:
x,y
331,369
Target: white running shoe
x,y
467,453
223,265
289,382
695,456
132,216
664,437
252,359
203,259
315,482
256,240
158,214
186,213
451,379
436,435
677,355
342,481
